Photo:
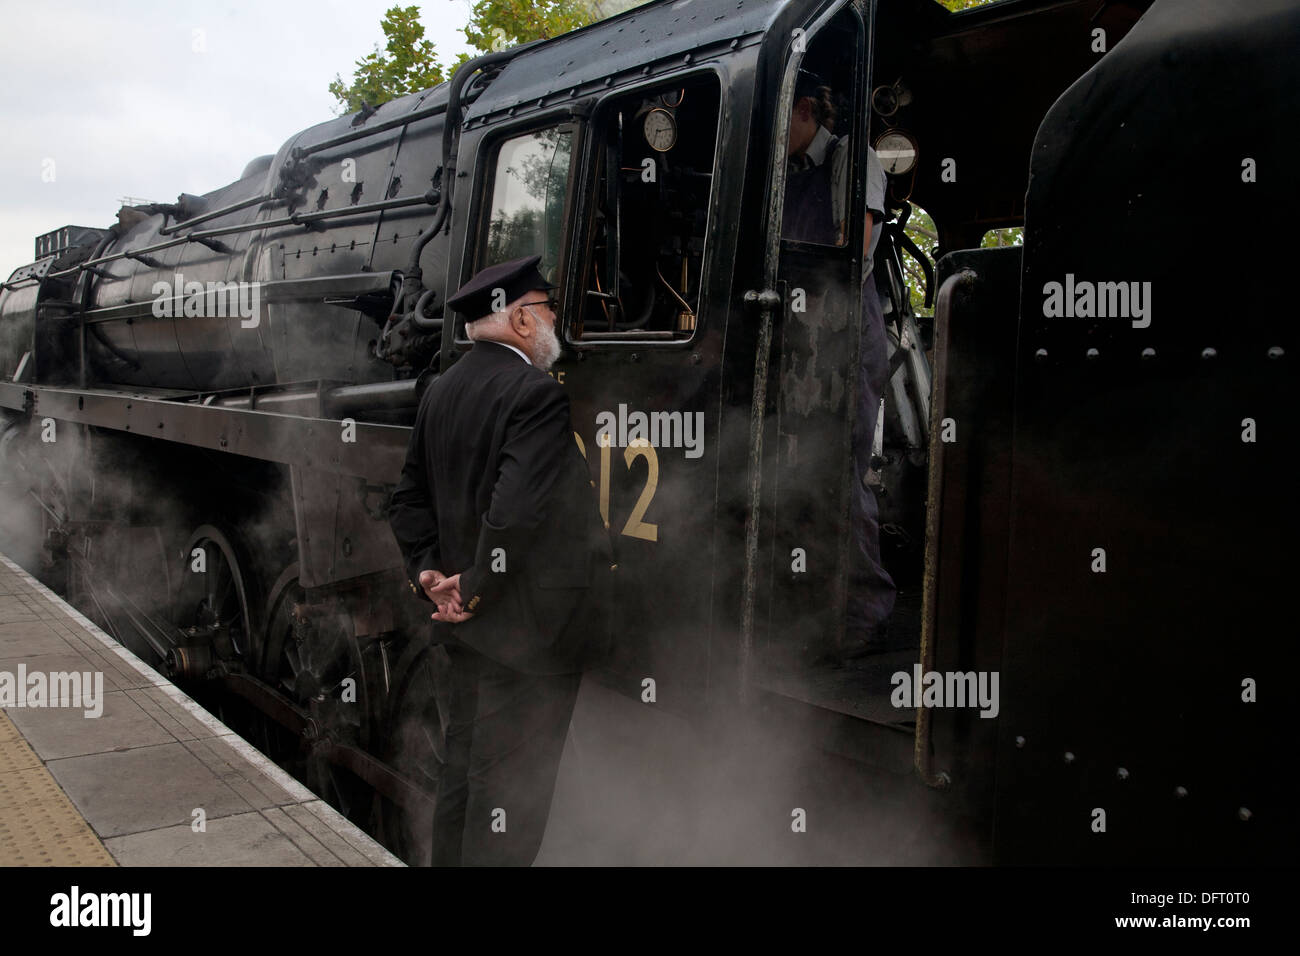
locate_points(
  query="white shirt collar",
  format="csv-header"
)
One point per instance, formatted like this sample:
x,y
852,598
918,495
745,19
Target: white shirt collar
x,y
515,350
816,150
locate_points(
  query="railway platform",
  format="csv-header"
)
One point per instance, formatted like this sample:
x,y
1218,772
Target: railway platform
x,y
104,762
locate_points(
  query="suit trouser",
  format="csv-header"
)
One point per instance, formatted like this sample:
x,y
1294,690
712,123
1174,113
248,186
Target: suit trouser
x,y
504,734
871,589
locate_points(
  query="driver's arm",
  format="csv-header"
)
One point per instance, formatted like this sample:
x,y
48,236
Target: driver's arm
x,y
876,186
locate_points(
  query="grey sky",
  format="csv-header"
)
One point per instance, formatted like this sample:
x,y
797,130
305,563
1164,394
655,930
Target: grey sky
x,y
116,95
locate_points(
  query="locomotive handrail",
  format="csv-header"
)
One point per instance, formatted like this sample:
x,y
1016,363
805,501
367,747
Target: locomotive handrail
x,y
413,284
930,598
20,281
767,301
280,290
301,152
293,219
216,213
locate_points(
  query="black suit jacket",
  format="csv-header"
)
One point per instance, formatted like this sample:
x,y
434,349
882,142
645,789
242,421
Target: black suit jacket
x,y
494,488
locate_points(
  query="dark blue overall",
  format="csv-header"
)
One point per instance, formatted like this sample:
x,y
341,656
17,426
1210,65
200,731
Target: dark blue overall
x,y
808,217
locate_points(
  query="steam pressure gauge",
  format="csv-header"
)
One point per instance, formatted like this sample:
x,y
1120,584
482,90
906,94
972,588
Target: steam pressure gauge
x,y
897,152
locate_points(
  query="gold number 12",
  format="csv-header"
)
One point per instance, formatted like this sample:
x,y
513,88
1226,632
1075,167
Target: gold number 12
x,y
638,448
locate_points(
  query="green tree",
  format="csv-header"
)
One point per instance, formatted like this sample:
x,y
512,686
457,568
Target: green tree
x,y
922,231
407,64
501,24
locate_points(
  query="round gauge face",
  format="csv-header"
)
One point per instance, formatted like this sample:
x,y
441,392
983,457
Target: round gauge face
x,y
896,151
884,100
660,130
673,99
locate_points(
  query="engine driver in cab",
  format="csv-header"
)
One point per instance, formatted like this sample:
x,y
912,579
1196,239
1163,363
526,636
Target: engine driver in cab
x,y
816,211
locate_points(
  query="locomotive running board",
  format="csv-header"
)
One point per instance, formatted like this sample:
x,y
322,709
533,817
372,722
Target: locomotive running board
x,y
374,452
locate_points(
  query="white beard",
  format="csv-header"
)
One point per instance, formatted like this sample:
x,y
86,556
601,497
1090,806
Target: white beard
x,y
547,349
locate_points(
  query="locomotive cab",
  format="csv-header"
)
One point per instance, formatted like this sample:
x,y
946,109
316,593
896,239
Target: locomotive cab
x,y
659,198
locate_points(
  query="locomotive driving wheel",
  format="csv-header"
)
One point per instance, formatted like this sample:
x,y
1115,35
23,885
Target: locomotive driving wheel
x,y
216,613
215,591
413,744
312,658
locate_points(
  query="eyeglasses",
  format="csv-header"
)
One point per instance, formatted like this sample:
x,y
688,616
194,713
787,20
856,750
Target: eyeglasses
x,y
551,303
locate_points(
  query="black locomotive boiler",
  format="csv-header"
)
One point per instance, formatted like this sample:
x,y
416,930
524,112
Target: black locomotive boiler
x,y
1081,470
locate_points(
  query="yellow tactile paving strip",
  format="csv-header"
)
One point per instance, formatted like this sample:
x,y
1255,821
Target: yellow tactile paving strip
x,y
39,826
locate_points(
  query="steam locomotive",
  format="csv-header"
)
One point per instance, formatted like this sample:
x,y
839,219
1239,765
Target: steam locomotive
x,y
206,405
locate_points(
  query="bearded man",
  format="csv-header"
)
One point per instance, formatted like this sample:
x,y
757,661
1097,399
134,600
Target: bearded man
x,y
499,528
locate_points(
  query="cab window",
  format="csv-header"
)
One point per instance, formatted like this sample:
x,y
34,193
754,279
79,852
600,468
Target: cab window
x,y
819,147
530,191
648,214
